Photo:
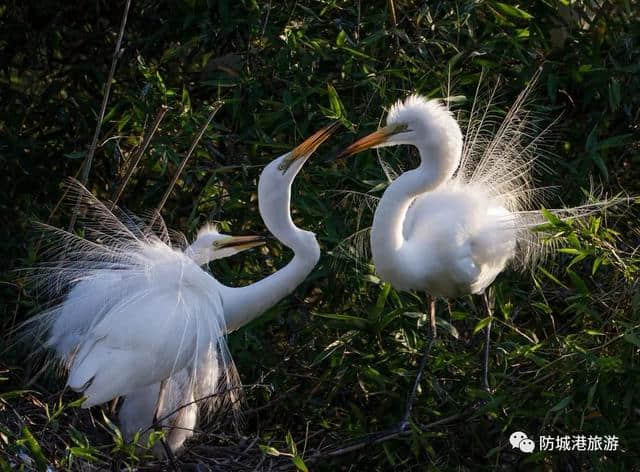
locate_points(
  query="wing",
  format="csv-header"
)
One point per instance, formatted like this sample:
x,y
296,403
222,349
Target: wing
x,y
469,238
84,304
153,332
134,312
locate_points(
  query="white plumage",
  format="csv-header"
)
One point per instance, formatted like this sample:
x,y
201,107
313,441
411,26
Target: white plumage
x,y
141,319
451,225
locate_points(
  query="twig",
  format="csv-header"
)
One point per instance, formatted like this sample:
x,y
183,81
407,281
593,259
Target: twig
x,y
392,8
141,150
358,22
216,107
423,362
158,421
391,433
394,20
86,166
266,20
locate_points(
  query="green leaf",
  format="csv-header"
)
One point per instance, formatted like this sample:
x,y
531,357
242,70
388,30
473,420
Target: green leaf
x,y
562,404
111,426
596,264
600,164
550,217
578,283
14,394
542,307
375,313
334,102
592,391
593,332
4,466
615,141
388,318
448,327
513,11
632,338
591,145
356,321
272,451
615,96
34,447
83,453
357,53
551,276
186,101
77,403
291,443
570,250
75,155
299,463
482,324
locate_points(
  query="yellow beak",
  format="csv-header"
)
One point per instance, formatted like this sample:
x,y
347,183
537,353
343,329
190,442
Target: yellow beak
x,y
374,139
308,146
240,242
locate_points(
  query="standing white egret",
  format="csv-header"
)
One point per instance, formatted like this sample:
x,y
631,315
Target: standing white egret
x,y
141,317
451,225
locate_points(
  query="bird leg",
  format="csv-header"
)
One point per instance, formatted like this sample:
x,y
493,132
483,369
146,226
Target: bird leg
x,y
487,344
168,453
423,362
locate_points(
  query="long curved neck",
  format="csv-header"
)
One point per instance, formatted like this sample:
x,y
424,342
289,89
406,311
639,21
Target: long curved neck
x,y
387,237
243,304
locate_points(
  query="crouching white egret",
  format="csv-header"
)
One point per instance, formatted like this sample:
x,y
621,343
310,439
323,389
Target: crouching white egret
x,y
451,225
140,318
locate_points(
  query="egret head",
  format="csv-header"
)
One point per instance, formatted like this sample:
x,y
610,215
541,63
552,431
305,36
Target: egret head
x,y
427,124
274,193
210,244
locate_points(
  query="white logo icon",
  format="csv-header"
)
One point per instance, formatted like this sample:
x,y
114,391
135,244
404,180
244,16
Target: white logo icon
x,y
519,440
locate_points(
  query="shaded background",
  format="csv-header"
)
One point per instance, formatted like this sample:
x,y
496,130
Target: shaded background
x,y
565,356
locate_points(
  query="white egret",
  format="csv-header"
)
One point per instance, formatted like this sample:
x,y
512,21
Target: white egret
x,y
451,225
142,320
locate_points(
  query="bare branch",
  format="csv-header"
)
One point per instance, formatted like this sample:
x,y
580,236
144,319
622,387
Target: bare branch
x,y
216,106
136,159
86,165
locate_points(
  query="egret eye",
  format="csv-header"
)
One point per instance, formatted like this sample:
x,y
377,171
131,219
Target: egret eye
x,y
401,128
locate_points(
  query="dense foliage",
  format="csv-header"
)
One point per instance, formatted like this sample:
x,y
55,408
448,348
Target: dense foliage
x,y
336,360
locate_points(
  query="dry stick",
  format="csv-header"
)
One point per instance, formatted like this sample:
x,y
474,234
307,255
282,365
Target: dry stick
x,y
158,421
216,107
423,362
394,19
86,166
136,159
385,435
392,8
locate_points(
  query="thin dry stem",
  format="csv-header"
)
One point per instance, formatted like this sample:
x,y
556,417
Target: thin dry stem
x,y
86,166
216,107
136,159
